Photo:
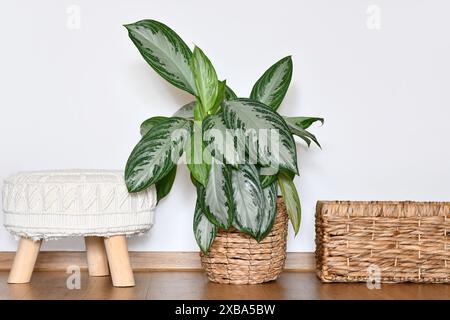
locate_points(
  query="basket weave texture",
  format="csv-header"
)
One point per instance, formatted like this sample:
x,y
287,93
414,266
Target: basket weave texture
x,y
399,241
236,258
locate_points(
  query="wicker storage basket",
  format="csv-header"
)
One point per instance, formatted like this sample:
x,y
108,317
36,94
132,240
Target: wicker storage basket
x,y
236,258
405,241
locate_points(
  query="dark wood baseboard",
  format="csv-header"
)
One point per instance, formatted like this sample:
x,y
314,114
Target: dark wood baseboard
x,y
145,261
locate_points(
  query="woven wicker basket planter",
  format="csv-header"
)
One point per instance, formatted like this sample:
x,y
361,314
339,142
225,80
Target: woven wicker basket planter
x,y
236,258
405,241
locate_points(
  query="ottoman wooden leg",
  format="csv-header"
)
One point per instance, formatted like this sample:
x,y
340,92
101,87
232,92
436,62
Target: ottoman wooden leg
x,y
96,256
24,261
119,261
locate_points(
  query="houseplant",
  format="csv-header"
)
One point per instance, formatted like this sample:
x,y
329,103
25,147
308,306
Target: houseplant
x,y
238,150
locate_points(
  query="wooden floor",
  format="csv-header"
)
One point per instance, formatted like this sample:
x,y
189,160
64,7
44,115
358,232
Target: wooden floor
x,y
195,285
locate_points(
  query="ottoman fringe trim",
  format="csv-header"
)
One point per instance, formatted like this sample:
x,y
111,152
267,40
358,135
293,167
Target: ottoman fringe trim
x,y
51,227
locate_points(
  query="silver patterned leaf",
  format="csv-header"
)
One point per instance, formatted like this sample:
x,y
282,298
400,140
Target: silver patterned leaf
x,y
248,199
298,126
229,93
267,180
186,111
164,51
270,210
164,185
204,230
303,122
219,195
148,124
219,141
271,88
277,149
156,153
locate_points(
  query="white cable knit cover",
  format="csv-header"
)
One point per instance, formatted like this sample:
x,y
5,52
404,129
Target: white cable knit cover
x,y
55,204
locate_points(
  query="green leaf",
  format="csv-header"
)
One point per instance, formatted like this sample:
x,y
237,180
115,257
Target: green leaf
x,y
219,141
199,171
305,135
248,198
164,185
148,124
270,211
267,180
251,115
199,114
196,163
186,111
291,199
303,122
219,195
156,153
205,79
229,94
297,127
204,230
195,182
219,98
271,88
164,51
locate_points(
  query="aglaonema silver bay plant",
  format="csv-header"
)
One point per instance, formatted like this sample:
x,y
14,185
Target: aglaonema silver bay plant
x,y
238,150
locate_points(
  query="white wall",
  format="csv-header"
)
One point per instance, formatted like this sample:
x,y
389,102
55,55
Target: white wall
x,y
75,98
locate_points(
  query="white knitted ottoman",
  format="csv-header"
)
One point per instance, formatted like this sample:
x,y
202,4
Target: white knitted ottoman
x,y
94,204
